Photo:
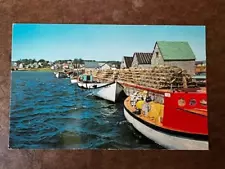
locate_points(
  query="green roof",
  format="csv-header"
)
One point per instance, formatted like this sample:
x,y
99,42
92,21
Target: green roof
x,y
175,50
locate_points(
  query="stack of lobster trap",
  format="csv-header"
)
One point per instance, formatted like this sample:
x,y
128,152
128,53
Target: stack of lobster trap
x,y
125,75
159,77
163,77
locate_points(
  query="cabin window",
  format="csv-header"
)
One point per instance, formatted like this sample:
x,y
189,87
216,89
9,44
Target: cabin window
x,y
181,102
192,102
88,78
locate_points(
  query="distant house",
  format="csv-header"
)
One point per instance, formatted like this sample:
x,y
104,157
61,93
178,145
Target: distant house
x,y
65,66
36,65
141,60
21,66
200,63
126,62
113,67
174,54
40,64
14,64
200,66
50,63
104,66
91,65
29,66
69,62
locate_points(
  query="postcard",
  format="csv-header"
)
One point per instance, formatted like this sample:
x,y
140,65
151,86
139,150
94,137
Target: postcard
x,y
92,86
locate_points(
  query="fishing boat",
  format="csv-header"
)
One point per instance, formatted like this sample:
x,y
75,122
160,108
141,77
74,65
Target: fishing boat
x,y
174,119
60,75
87,82
110,92
106,90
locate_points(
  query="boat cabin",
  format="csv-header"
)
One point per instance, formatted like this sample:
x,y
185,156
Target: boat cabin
x,y
86,78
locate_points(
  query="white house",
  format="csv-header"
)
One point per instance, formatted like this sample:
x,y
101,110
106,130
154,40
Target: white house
x,y
40,64
104,66
36,65
21,66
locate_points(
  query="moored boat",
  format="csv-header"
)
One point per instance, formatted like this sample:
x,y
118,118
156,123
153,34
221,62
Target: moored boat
x,y
106,90
61,75
173,119
110,92
87,82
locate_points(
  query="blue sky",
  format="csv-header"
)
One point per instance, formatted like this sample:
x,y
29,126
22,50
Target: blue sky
x,y
98,42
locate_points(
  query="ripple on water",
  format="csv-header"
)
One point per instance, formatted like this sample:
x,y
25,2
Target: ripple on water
x,y
47,112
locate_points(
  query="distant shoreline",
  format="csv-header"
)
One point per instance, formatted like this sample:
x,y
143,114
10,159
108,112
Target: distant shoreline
x,y
35,70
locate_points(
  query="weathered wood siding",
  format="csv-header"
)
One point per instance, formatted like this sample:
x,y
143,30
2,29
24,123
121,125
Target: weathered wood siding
x,y
144,65
157,60
123,64
135,62
187,65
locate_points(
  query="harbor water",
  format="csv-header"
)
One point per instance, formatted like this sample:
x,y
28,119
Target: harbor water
x,y
48,113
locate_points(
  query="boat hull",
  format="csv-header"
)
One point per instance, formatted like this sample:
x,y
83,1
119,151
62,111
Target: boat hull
x,y
108,92
73,81
90,85
165,139
60,75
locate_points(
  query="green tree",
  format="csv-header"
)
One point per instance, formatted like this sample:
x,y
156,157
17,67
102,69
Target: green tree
x,y
76,62
41,60
81,61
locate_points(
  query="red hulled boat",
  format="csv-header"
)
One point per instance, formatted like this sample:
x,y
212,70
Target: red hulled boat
x,y
177,119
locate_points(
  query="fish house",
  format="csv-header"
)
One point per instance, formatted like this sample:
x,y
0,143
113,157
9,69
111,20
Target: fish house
x,y
172,53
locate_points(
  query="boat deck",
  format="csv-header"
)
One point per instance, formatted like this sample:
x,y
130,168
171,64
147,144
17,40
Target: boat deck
x,y
142,116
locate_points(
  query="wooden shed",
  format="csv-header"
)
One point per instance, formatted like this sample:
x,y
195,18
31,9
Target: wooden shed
x,y
174,54
141,60
126,62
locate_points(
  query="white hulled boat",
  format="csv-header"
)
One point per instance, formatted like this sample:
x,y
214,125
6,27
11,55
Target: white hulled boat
x,y
108,90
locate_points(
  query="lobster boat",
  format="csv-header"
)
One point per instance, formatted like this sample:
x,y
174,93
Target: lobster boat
x,y
88,82
106,90
173,119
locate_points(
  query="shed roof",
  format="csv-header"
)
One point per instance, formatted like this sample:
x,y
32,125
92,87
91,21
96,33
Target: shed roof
x,y
143,58
171,50
128,61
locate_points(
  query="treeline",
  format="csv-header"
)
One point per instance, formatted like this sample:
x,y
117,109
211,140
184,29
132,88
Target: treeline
x,y
32,61
75,61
